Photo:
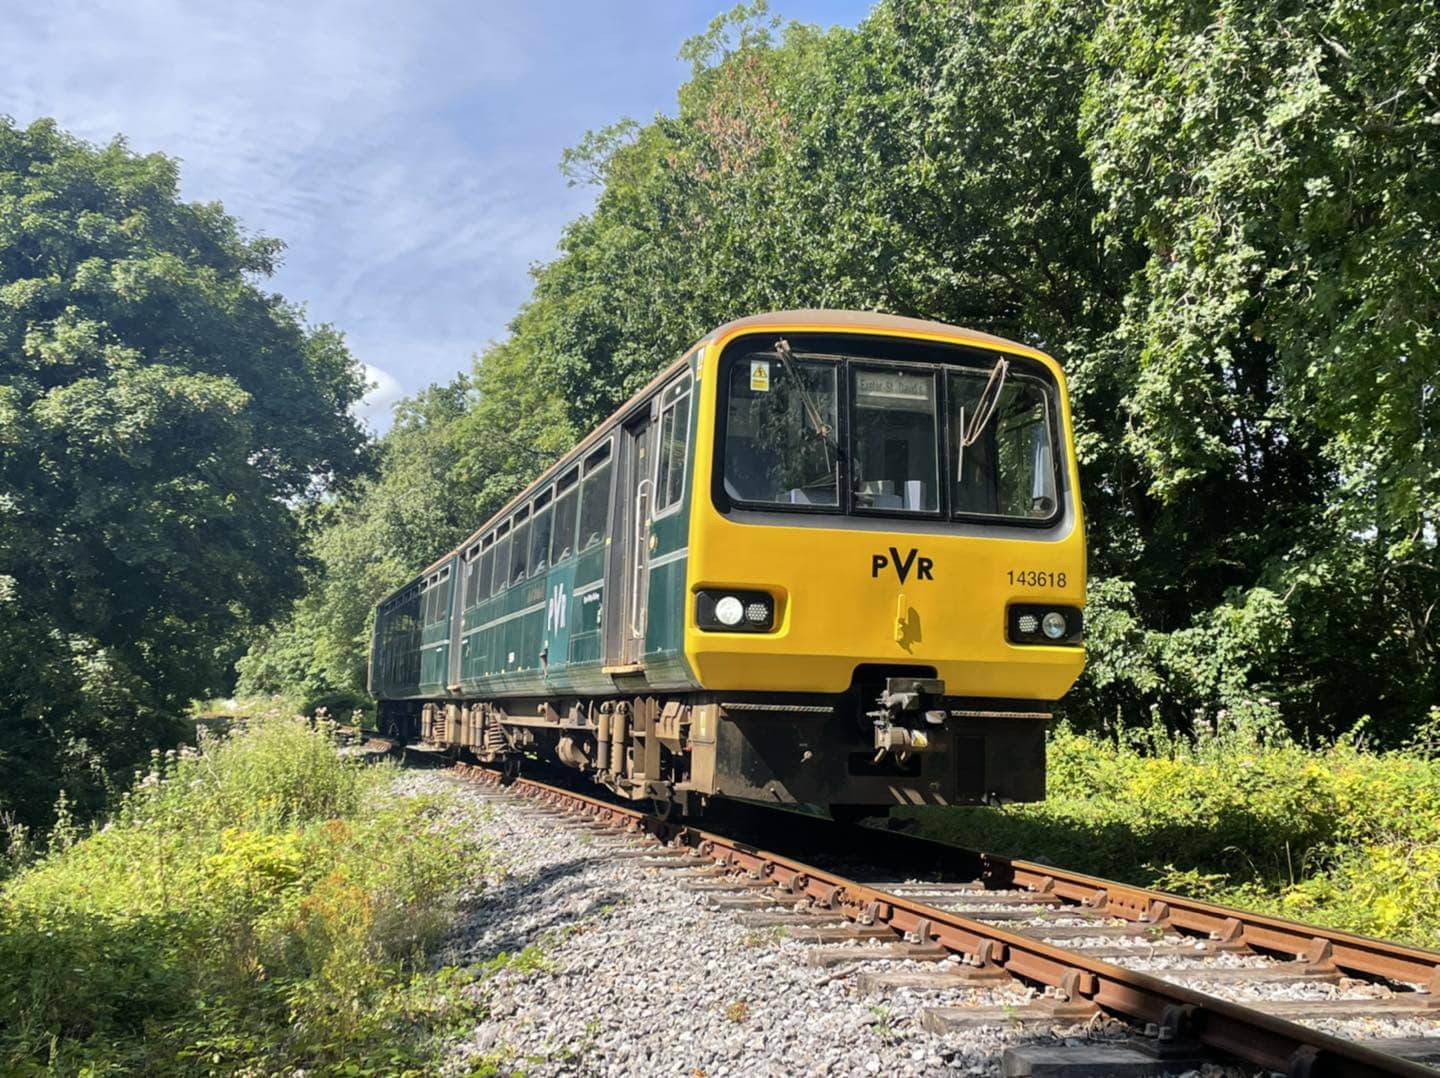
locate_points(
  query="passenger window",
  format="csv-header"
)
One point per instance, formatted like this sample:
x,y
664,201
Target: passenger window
x,y
520,546
562,538
540,534
674,436
502,559
595,498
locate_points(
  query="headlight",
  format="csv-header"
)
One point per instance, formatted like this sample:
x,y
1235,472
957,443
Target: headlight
x,y
729,610
1033,623
735,611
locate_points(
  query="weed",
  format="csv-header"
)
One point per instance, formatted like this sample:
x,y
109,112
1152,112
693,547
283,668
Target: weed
x,y
884,1024
763,937
738,1011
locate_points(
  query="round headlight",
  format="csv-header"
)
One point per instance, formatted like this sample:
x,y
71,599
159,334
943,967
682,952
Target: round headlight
x,y
1053,625
729,611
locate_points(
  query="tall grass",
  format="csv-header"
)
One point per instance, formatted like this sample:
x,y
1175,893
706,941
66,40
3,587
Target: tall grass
x,y
1336,834
257,905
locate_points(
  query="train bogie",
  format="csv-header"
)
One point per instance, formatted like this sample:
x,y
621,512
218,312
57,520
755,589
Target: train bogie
x,y
825,559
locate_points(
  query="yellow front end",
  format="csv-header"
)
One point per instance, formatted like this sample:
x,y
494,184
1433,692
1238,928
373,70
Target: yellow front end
x,y
853,592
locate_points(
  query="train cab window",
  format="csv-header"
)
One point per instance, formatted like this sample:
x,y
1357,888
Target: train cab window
x,y
674,438
780,431
1004,451
540,533
595,498
502,559
520,546
894,440
567,501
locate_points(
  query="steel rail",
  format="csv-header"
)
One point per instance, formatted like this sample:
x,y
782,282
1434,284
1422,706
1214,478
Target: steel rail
x,y
1347,951
1226,1027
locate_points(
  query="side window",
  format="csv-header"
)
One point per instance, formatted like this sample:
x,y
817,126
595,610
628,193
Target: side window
x,y
472,577
540,533
520,545
674,436
567,502
502,559
595,498
487,567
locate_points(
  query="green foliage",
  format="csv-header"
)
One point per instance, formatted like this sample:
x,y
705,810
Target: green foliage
x,y
253,907
455,454
1337,835
158,409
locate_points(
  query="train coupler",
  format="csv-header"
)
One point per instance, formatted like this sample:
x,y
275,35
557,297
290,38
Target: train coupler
x,y
907,707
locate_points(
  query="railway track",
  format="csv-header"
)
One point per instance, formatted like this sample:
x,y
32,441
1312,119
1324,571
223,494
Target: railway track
x,y
1176,971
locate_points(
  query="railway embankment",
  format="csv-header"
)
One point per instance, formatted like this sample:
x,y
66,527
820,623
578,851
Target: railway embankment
x,y
258,906
1336,835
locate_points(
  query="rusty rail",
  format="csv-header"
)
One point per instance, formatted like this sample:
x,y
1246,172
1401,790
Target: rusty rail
x,y
1225,1027
1346,951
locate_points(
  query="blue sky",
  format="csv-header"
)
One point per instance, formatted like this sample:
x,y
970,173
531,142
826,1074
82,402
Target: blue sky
x,y
406,153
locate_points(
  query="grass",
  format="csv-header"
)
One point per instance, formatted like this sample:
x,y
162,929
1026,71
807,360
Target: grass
x,y
1337,835
257,906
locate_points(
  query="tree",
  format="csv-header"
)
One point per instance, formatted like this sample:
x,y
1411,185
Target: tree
x,y
455,455
160,414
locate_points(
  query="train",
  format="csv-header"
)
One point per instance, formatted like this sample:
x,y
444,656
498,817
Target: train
x,y
827,560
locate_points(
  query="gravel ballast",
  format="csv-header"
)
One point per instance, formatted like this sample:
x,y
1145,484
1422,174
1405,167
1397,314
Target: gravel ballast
x,y
638,975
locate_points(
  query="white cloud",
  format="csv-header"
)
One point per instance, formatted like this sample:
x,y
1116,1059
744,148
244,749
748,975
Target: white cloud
x,y
375,408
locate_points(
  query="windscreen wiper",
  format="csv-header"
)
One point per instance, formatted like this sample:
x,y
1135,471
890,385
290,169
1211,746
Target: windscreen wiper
x,y
812,413
985,409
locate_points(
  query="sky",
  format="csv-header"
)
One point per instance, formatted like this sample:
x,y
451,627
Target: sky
x,y
407,153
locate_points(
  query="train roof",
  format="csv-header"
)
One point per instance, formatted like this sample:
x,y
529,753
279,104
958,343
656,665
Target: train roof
x,y
862,321
858,321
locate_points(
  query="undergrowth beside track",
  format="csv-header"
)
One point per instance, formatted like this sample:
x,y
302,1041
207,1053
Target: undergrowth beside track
x,y
259,906
1336,835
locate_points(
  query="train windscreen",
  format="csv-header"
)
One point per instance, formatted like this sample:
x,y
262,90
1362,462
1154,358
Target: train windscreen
x,y
826,430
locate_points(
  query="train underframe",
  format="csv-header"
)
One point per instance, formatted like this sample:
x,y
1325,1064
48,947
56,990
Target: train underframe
x,y
851,754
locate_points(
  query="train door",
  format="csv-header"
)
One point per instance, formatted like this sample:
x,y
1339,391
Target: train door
x,y
625,640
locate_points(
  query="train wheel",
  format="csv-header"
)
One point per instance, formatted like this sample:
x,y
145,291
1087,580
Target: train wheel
x,y
509,768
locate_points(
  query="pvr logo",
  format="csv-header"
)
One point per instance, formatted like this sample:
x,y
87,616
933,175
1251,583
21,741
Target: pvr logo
x,y
923,566
555,609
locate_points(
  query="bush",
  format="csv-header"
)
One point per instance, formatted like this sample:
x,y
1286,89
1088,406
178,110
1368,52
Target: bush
x,y
1337,834
254,905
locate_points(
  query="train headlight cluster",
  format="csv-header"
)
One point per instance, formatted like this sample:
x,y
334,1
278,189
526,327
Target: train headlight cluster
x,y
735,611
1032,623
